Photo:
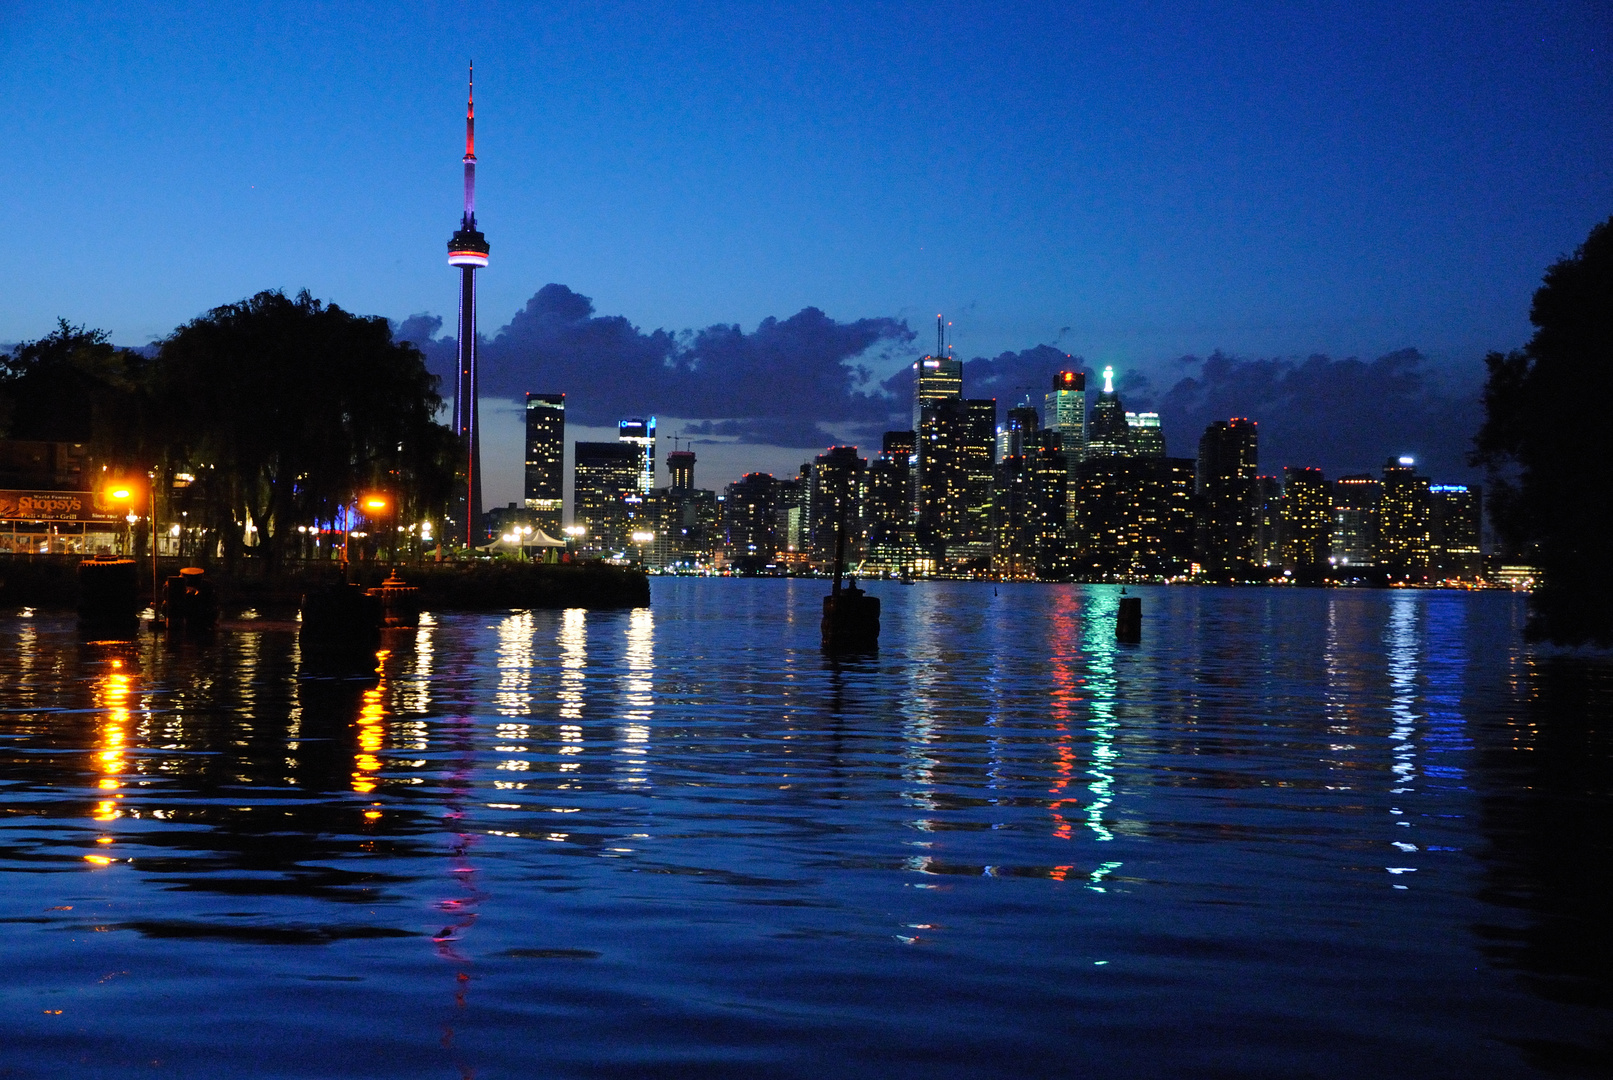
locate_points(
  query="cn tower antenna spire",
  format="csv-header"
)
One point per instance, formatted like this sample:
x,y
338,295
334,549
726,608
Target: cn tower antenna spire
x,y
940,339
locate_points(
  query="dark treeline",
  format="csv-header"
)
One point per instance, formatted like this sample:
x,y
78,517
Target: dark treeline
x,y
283,410
1548,442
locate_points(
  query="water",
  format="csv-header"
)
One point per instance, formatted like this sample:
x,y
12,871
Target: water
x,y
1293,833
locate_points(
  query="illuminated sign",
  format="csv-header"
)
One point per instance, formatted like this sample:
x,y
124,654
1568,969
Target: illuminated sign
x,y
58,506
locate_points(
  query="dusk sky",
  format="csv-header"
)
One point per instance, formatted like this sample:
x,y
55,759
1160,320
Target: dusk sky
x,y
1130,183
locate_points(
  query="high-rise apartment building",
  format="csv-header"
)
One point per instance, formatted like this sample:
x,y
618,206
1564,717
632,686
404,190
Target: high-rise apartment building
x,y
1144,435
980,425
607,503
1405,522
1136,517
680,465
754,518
1228,463
545,460
834,502
685,519
1307,524
1457,517
1028,503
1354,541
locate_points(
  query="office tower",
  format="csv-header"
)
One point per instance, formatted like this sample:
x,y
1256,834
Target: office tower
x,y
1355,524
1028,511
1108,435
937,377
1307,524
640,433
545,460
1144,435
980,424
1017,432
680,463
1065,411
1268,522
1457,518
606,501
1405,522
834,499
467,250
1224,544
1136,518
888,504
940,474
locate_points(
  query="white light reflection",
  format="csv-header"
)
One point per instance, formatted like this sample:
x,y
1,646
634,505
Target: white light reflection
x,y
573,659
514,696
633,737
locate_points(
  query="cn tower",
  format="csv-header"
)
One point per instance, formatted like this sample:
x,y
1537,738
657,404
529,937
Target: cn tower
x,y
468,251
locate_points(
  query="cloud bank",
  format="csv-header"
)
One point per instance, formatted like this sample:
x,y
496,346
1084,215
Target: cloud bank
x,y
774,385
782,383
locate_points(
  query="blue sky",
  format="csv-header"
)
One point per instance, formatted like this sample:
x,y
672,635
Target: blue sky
x,y
1129,182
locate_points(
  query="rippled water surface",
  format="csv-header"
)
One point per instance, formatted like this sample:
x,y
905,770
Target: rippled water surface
x,y
1292,833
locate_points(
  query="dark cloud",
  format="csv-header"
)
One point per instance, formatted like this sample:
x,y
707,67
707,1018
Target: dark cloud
x,y
1339,415
774,385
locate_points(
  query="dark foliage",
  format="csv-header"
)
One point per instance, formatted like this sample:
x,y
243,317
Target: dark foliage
x,y
73,386
1549,444
287,409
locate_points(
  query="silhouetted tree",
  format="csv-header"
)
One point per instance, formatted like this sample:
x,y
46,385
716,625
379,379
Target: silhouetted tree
x,y
72,386
1548,440
287,409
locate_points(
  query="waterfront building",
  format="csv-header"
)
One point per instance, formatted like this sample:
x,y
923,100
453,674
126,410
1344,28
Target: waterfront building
x,y
834,498
545,460
1108,434
607,503
467,251
1354,538
1405,522
1065,412
686,534
1144,435
755,511
1029,536
1456,520
640,434
888,545
1307,523
1228,462
1136,517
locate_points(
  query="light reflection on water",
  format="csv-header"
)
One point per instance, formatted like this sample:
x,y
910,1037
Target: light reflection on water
x,y
680,841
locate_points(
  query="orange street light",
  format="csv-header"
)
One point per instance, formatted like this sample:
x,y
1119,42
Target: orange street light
x,y
377,504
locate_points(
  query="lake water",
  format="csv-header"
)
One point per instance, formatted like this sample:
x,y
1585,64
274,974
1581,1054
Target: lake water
x,y
1293,833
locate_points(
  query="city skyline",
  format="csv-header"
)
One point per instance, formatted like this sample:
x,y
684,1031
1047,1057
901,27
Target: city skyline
x,y
1154,201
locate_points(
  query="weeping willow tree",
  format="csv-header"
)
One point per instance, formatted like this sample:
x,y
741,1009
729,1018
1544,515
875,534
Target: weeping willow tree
x,y
286,410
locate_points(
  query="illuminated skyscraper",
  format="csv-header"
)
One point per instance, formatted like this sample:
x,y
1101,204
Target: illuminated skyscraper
x,y
1405,522
545,459
640,433
1065,412
835,495
1144,435
467,250
1018,431
1307,524
1108,436
605,494
1456,519
1224,545
1355,524
937,377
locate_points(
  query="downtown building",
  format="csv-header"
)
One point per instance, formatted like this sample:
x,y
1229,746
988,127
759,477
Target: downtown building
x,y
686,520
1405,523
611,484
545,475
1227,503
